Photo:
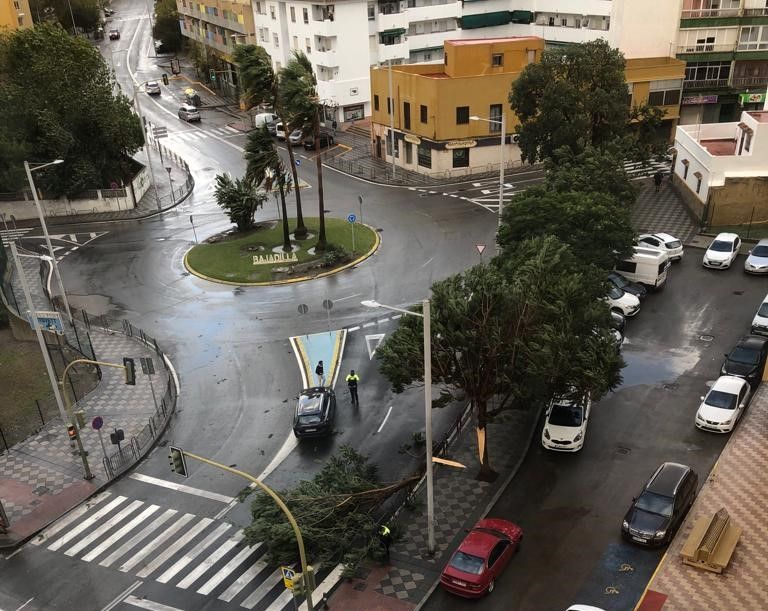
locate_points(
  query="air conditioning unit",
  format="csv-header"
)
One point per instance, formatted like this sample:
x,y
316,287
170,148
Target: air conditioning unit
x,y
515,138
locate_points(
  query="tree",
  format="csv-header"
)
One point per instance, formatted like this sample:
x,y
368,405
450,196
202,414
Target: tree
x,y
261,85
264,167
57,97
335,511
645,140
167,29
85,13
239,198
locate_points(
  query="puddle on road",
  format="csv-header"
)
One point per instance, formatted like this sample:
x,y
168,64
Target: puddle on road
x,y
647,369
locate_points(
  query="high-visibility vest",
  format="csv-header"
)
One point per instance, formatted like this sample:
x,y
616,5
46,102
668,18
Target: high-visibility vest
x,y
384,532
353,378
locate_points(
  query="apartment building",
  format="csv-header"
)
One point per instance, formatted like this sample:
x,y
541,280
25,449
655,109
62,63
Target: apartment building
x,y
725,46
14,14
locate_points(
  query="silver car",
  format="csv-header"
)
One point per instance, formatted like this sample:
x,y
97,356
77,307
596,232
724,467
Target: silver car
x,y
296,137
757,260
187,112
152,88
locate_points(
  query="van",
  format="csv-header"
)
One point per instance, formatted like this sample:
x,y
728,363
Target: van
x,y
264,118
648,266
280,130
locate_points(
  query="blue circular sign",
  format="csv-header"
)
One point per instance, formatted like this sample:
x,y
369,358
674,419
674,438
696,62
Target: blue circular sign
x,y
298,162
97,423
351,218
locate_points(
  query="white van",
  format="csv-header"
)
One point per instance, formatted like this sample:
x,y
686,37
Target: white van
x,y
264,118
648,266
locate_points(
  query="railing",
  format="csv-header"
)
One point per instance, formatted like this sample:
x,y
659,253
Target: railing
x,y
738,82
706,48
712,12
706,83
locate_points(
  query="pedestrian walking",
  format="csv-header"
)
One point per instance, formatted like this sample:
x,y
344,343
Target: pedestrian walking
x,y
352,380
319,372
657,178
385,536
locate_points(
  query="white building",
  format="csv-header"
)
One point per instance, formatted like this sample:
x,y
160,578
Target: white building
x,y
344,38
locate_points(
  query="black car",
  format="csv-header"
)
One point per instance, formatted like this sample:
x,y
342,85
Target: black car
x,y
657,513
633,288
747,359
618,321
326,139
315,411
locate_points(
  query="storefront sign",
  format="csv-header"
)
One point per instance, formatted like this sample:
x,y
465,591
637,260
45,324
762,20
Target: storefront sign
x,y
752,98
699,99
412,139
460,144
281,257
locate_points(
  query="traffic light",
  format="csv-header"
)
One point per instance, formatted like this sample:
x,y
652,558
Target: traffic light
x,y
130,371
165,78
72,432
212,74
177,460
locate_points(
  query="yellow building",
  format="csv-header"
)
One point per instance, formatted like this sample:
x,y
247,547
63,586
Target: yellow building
x,y
436,126
14,14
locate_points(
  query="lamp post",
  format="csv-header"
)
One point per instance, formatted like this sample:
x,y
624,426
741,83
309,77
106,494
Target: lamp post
x,y
425,316
29,171
503,122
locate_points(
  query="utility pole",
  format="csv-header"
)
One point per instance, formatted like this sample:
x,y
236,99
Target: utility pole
x,y
391,116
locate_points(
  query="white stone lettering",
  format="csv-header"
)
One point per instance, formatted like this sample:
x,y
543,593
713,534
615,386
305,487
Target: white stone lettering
x,y
281,257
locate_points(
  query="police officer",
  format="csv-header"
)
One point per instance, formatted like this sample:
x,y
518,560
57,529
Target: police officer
x,y
385,536
352,380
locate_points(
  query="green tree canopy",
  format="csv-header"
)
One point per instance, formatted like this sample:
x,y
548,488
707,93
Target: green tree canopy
x,y
57,97
167,29
258,82
239,198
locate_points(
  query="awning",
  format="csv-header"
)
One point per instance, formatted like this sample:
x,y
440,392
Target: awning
x,y
393,32
485,20
522,16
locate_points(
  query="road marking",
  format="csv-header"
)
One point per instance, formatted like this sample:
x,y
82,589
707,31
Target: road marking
x,y
192,554
369,324
148,549
145,603
265,586
99,549
349,297
214,496
242,581
174,547
381,321
210,561
159,521
396,316
71,534
222,574
97,532
427,262
25,604
383,422
119,598
357,328
327,584
372,342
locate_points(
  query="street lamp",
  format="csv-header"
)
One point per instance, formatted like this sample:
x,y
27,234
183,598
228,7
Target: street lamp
x,y
425,316
29,171
503,122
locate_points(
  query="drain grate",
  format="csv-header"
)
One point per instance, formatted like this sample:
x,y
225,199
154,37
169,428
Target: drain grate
x,y
706,338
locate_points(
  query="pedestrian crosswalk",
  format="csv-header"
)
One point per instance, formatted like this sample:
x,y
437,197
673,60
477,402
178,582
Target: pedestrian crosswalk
x,y
193,135
10,235
63,244
189,552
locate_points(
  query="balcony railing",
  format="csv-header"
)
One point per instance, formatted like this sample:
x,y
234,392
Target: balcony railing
x,y
749,81
706,84
755,12
735,82
724,12
706,48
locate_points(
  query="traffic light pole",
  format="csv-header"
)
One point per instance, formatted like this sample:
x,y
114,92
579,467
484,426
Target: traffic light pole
x,y
283,507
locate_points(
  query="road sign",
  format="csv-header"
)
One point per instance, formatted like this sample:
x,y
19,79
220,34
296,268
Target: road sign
x,y
97,423
160,132
288,576
352,218
480,248
327,304
372,342
147,366
303,308
48,321
298,162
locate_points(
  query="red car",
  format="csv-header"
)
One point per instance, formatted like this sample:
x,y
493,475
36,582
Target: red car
x,y
481,557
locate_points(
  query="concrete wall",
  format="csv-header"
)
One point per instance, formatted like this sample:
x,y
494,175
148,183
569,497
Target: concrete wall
x,y
695,206
738,201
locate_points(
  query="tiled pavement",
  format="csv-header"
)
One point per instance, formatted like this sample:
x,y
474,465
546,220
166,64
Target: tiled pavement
x,y
738,482
662,211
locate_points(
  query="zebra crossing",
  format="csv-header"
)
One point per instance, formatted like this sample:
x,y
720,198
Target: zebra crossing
x,y
63,243
168,546
194,135
11,235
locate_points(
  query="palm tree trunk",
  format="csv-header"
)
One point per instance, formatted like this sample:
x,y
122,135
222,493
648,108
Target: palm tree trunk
x,y
486,473
286,231
301,230
321,240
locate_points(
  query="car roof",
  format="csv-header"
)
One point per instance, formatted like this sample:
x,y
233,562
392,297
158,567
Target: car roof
x,y
151,82
667,478
665,237
751,341
729,384
478,543
187,107
763,242
726,237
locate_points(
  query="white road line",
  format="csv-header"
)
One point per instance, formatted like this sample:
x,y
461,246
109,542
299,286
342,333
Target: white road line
x,y
69,518
119,598
486,191
349,297
264,587
210,561
368,324
326,584
145,603
25,604
396,316
281,601
381,321
71,534
383,422
242,581
99,549
222,574
174,547
97,532
192,554
427,262
159,521
148,549
353,329
214,496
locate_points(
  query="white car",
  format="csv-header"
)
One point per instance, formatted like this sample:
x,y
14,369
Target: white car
x,y
583,608
760,321
665,242
622,302
280,130
757,260
722,251
724,404
566,424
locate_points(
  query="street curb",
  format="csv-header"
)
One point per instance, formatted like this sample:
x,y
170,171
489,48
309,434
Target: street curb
x,y
494,498
332,272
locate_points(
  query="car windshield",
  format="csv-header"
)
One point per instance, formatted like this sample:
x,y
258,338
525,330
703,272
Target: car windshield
x,y
720,246
615,293
723,400
761,250
744,355
619,281
310,419
467,563
673,244
566,415
763,311
654,503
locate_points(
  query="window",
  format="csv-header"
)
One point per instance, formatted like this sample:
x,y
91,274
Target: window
x,y
686,164
698,181
494,115
630,90
375,102
305,14
707,71
424,156
427,57
407,115
423,113
264,34
308,46
408,153
371,11
627,267
389,145
564,22
293,15
552,21
389,107
497,59
753,38
748,141
460,158
665,93
258,8
295,42
275,40
462,115
272,12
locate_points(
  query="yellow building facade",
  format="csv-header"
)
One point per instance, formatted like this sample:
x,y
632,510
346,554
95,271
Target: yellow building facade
x,y
14,14
447,118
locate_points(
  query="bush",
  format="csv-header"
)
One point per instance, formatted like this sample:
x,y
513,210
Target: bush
x,y
335,255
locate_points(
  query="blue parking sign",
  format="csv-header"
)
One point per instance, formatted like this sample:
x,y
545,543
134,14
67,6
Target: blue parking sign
x,y
351,218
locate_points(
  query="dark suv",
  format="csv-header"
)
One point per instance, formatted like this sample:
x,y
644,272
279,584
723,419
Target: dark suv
x,y
633,288
747,360
315,411
657,513
326,139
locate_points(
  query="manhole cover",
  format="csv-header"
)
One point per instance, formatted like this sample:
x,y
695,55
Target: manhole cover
x,y
706,338
623,450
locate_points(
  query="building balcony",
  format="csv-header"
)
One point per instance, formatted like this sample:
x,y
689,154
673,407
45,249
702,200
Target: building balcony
x,y
750,82
705,48
398,21
429,41
429,13
398,51
719,83
710,13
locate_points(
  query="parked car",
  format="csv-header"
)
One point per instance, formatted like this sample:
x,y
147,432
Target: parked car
x,y
475,566
326,139
265,118
723,405
656,514
618,321
663,241
760,321
152,88
646,265
295,138
622,302
583,608
747,360
565,423
272,127
722,251
757,260
114,34
633,288
109,12
315,412
280,130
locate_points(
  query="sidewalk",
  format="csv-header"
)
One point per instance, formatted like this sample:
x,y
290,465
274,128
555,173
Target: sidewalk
x,y
41,478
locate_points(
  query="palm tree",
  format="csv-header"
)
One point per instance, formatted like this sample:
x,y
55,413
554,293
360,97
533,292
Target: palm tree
x,y
239,198
264,167
297,94
260,84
